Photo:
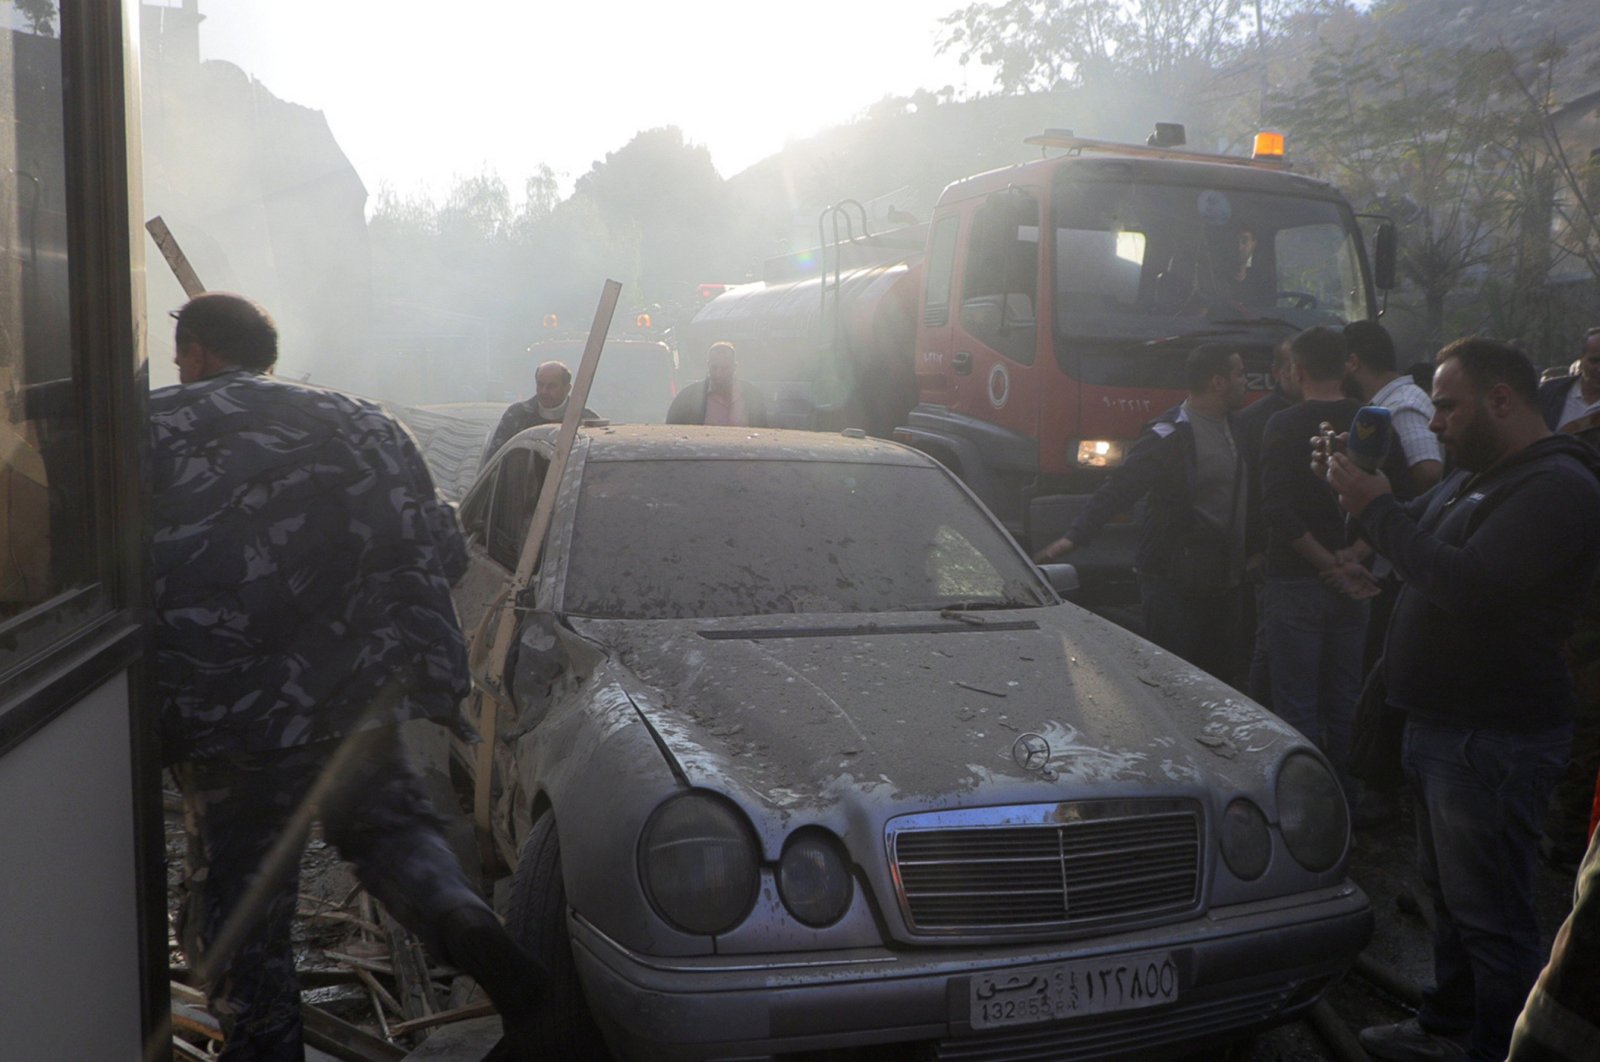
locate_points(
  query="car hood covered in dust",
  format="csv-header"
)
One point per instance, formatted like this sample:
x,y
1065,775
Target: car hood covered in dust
x,y
924,710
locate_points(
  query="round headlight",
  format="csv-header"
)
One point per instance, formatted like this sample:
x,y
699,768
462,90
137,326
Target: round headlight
x,y
700,863
1246,840
1312,812
814,878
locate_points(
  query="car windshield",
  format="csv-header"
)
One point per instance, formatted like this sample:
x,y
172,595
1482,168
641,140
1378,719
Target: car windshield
x,y
677,539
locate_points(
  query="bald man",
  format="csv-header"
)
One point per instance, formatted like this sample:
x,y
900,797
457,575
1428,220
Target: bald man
x,y
721,398
552,383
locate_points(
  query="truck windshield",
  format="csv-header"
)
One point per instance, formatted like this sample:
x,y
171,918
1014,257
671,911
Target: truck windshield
x,y
1151,260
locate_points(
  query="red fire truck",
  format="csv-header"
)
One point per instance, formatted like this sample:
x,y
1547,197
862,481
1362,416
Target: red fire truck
x,y
1027,333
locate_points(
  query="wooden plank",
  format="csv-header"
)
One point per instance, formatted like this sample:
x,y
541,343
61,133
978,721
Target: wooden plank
x,y
343,1040
482,1008
177,261
494,694
414,985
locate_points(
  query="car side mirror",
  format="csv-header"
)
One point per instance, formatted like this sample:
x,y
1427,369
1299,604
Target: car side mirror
x,y
1063,579
536,661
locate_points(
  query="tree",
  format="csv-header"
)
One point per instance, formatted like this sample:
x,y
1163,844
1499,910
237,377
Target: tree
x,y
662,193
1040,45
1417,133
1036,45
1574,184
41,16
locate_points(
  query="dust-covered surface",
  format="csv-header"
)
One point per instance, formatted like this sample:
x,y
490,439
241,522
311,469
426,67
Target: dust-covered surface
x,y
930,708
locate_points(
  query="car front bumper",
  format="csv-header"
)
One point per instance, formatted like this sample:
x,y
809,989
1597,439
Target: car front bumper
x,y
1244,966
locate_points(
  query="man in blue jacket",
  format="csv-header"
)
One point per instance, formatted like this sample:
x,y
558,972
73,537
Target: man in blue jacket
x,y
1496,561
1191,552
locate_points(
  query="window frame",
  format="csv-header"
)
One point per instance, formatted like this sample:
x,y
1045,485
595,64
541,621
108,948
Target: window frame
x,y
995,229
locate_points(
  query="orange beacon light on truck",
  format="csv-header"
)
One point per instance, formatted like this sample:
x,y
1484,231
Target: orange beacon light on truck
x,y
1268,146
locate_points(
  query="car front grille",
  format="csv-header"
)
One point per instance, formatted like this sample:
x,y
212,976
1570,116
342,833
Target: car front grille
x,y
1089,862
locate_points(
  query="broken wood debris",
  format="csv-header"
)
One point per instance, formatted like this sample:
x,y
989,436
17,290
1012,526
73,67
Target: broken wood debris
x,y
379,958
481,1009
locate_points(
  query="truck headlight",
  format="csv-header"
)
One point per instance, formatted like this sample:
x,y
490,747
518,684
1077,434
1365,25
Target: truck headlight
x,y
1100,453
700,863
1246,840
814,878
1312,812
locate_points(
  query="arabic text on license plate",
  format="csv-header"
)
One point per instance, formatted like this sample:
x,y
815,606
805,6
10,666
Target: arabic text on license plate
x,y
1072,989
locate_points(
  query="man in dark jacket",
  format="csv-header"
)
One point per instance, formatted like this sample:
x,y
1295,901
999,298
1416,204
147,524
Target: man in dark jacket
x,y
1316,599
721,398
1191,547
552,382
302,567
1496,560
1567,398
1252,424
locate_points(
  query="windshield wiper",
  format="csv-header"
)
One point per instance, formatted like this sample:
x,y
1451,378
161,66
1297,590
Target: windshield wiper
x,y
985,604
1253,321
1232,329
958,609
1184,337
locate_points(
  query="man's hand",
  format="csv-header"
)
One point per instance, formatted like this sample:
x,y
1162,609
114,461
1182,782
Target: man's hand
x,y
1351,579
1059,548
1324,445
1356,488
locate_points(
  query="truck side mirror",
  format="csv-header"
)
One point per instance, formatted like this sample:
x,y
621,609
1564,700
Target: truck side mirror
x,y
1385,252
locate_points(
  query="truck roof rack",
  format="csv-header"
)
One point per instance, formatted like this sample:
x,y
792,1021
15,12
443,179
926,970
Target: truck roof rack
x,y
1078,145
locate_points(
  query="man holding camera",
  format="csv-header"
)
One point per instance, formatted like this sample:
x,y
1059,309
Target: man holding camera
x,y
1495,562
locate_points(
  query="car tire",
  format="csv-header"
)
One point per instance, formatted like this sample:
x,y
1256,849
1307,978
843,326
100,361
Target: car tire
x,y
536,915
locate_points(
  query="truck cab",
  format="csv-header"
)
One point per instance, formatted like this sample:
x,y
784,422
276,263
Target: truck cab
x,y
1061,297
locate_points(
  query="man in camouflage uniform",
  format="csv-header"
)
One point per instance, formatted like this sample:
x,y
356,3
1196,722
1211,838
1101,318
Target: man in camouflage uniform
x,y
302,568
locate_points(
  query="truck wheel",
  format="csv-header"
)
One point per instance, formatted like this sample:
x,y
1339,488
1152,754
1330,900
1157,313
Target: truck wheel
x,y
537,917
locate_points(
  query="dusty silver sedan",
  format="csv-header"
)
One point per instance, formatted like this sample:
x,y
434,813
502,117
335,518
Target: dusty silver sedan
x,y
805,754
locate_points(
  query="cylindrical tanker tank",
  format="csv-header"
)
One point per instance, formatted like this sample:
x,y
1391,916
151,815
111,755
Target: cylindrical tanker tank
x,y
824,365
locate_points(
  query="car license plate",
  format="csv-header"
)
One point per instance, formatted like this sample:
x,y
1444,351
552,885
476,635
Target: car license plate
x,y
1072,989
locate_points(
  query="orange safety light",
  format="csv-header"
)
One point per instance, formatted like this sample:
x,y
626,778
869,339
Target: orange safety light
x,y
549,320
642,321
1268,146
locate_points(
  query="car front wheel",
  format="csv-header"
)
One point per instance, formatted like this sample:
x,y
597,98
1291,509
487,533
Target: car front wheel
x,y
537,918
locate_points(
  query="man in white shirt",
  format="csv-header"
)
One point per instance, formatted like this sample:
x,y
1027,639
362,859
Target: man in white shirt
x,y
1568,398
1373,378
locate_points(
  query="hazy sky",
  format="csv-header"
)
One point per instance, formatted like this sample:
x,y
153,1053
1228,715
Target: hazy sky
x,y
418,93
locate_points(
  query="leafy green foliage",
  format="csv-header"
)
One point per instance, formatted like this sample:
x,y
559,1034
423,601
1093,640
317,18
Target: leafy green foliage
x,y
41,15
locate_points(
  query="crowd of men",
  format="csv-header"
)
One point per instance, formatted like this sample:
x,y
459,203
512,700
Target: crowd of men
x,y
1448,584
302,570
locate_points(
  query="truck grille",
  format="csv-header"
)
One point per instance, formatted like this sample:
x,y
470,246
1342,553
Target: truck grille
x,y
1106,861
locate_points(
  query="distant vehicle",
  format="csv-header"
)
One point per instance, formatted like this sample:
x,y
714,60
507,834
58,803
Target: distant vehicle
x,y
1026,334
634,383
803,754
